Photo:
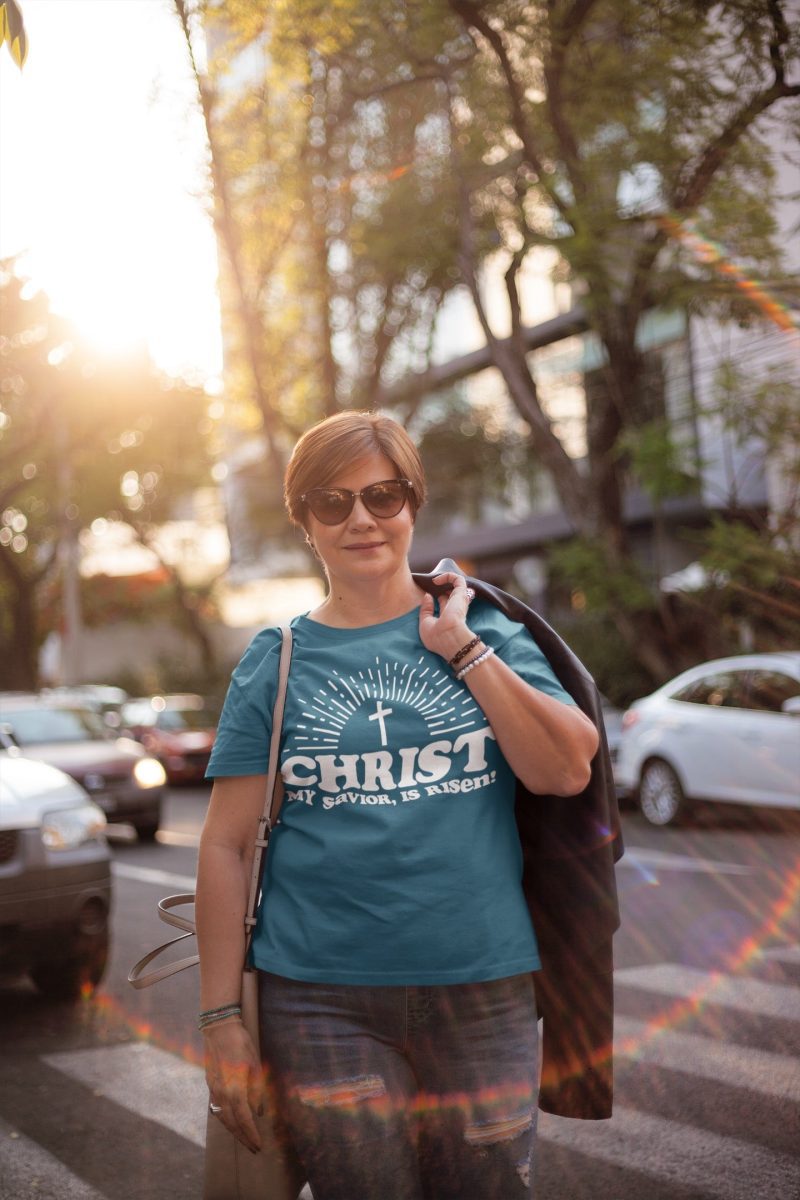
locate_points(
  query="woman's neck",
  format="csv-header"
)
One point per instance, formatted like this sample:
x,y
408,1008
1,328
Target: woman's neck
x,y
347,607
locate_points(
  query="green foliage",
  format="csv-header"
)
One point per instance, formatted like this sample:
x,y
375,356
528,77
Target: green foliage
x,y
581,568
754,583
596,640
81,439
475,461
657,460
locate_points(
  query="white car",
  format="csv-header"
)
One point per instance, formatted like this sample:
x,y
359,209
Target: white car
x,y
727,730
55,879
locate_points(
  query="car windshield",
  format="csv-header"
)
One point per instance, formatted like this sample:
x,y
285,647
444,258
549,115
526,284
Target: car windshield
x,y
35,726
185,719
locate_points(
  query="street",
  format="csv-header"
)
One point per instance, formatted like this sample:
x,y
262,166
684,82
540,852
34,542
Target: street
x,y
105,1100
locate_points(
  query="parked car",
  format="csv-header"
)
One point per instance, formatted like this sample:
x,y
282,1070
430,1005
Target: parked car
x,y
612,720
55,879
179,730
100,697
727,730
126,782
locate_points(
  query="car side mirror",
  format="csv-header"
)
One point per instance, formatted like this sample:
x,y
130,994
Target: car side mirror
x,y
791,706
7,739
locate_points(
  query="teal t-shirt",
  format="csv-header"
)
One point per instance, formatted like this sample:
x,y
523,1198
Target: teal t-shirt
x,y
396,859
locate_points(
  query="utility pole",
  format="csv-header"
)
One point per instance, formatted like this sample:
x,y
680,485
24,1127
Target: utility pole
x,y
68,554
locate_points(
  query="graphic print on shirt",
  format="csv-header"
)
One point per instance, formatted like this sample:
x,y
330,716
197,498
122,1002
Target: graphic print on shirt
x,y
387,734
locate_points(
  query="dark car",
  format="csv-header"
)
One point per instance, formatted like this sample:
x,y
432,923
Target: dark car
x,y
126,782
179,730
55,879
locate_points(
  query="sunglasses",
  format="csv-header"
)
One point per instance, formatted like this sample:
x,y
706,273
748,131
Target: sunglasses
x,y
331,506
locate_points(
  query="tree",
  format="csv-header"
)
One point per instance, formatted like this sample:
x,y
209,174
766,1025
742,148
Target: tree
x,y
381,158
82,439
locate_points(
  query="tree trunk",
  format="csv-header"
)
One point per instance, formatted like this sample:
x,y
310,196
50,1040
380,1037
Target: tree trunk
x,y
19,650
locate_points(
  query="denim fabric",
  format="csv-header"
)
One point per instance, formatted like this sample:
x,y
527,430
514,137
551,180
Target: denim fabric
x,y
407,1093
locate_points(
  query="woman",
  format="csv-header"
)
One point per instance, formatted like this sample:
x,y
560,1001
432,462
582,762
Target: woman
x,y
394,945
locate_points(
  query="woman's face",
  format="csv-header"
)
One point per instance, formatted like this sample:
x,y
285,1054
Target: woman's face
x,y
363,548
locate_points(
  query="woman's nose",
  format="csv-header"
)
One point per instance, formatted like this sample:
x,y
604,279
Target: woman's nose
x,y
360,514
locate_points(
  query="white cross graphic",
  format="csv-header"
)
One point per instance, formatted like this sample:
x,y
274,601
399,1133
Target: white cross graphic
x,y
379,715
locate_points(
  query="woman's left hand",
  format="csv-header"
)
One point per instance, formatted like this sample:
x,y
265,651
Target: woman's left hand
x,y
446,633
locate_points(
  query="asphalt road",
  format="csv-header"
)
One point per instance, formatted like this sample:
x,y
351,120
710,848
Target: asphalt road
x,y
105,1100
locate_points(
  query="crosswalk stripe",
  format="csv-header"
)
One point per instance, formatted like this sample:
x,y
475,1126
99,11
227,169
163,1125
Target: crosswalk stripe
x,y
642,856
151,875
786,954
703,1163
145,1080
746,995
27,1169
724,1062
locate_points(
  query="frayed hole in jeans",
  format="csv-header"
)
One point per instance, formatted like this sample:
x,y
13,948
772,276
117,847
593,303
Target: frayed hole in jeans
x,y
501,1129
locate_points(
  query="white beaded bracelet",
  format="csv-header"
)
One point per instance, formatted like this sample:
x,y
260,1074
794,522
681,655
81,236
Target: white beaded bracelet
x,y
475,662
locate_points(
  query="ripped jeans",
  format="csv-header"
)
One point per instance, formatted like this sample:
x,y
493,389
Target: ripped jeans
x,y
407,1093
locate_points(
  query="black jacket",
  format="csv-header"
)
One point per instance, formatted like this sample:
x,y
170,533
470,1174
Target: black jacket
x,y
570,846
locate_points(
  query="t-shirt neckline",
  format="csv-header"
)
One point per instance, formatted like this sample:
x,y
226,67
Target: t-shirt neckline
x,y
341,633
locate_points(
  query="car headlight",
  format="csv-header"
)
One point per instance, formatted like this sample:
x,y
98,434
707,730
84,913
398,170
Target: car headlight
x,y
66,828
149,773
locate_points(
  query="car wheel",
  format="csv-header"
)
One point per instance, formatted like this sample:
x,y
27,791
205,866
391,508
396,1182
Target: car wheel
x,y
78,973
147,826
661,796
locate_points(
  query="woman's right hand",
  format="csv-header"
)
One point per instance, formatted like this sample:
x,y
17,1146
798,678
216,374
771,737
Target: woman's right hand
x,y
235,1080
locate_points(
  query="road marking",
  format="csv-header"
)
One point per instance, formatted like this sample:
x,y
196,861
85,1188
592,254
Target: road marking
x,y
149,875
786,954
639,856
746,995
177,837
724,1062
27,1169
702,1163
145,1080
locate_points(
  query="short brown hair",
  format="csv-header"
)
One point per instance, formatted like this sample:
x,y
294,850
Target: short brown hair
x,y
333,445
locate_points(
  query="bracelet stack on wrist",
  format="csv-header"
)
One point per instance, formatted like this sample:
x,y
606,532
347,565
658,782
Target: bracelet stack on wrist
x,y
463,652
212,1016
487,652
479,658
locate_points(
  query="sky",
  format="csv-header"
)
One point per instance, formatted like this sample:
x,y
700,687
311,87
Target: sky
x,y
102,179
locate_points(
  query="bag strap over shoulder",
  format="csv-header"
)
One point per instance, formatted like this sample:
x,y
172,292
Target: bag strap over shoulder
x,y
274,792
273,798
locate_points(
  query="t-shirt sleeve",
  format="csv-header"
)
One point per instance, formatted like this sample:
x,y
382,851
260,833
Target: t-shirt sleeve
x,y
512,642
245,724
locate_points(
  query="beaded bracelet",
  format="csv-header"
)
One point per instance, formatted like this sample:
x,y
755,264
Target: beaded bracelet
x,y
475,662
463,652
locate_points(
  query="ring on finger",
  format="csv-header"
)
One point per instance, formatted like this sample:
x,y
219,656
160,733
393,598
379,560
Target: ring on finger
x,y
214,1109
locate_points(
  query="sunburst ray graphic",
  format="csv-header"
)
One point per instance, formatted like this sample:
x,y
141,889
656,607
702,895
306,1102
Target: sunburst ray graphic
x,y
442,704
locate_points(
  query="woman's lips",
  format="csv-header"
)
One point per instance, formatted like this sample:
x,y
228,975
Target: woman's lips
x,y
365,545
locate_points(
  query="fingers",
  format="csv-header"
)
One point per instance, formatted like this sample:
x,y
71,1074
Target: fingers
x,y
236,1083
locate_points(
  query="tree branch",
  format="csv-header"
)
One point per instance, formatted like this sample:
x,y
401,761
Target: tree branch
x,y
226,230
472,16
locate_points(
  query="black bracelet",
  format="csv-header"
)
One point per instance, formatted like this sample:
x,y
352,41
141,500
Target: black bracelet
x,y
463,652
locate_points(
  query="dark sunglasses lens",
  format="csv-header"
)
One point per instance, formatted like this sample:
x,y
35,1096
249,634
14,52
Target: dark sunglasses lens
x,y
330,506
385,499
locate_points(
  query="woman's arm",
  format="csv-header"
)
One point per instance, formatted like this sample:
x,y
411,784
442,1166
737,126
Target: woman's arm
x,y
227,843
549,745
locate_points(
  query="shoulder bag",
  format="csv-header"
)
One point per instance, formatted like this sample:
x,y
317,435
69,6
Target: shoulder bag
x,y
231,1171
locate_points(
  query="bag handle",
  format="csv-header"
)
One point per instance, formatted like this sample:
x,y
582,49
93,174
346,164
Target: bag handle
x,y
273,798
